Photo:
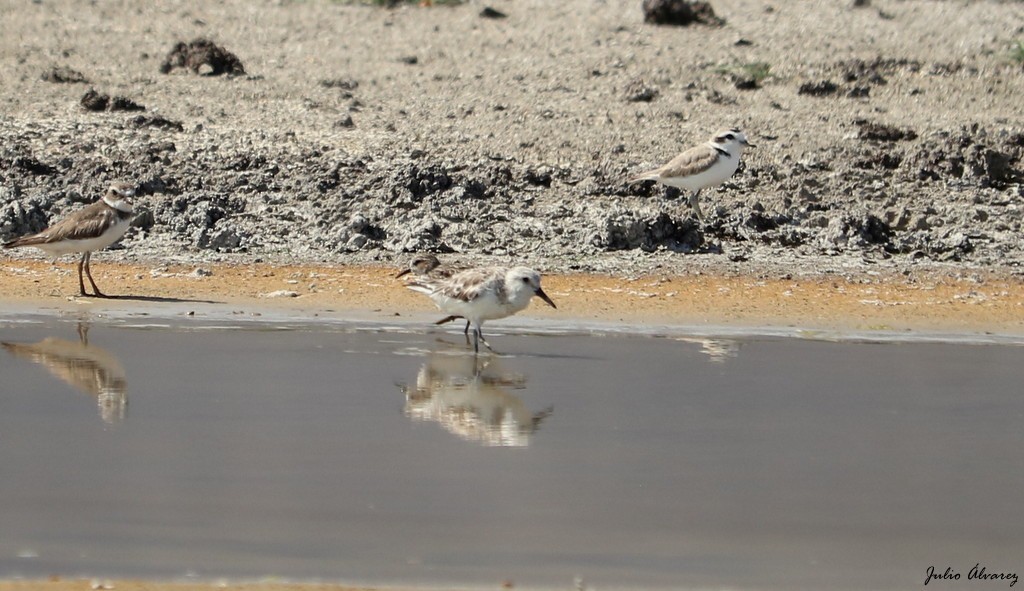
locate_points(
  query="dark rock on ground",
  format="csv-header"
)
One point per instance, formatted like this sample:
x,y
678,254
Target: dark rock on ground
x,y
680,13
156,122
202,56
880,132
63,75
94,101
821,88
489,12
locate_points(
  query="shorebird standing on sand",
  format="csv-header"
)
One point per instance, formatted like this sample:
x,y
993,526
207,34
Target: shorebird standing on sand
x,y
94,227
482,294
706,165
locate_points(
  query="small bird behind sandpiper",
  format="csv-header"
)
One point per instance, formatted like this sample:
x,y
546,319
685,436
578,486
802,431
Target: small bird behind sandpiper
x,y
428,265
706,165
482,294
94,227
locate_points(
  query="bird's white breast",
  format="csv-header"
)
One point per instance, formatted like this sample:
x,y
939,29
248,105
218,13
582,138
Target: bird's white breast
x,y
484,307
714,175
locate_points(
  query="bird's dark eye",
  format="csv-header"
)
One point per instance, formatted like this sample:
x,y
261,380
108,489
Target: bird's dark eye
x,y
730,136
526,279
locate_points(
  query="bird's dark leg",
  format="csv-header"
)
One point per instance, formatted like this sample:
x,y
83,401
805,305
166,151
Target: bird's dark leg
x,y
81,282
446,319
88,273
695,205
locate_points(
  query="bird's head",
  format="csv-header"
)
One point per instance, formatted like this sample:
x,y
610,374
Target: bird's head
x,y
731,140
527,281
421,265
119,196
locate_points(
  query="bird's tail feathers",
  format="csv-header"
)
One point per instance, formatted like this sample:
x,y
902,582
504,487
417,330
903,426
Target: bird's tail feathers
x,y
24,241
650,175
423,288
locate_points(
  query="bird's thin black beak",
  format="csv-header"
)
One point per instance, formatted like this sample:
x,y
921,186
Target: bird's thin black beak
x,y
540,293
403,272
748,144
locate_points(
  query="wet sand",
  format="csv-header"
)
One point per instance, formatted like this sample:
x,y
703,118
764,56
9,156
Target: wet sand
x,y
964,302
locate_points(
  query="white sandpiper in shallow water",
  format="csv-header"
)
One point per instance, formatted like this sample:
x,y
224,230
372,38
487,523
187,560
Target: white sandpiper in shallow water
x,y
358,452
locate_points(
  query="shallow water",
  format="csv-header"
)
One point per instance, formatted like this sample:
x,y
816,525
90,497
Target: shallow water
x,y
386,456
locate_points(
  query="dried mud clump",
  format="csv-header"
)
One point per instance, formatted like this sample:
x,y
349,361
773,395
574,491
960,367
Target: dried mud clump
x,y
156,122
344,84
29,164
822,88
202,56
680,13
63,75
971,155
638,91
94,101
879,132
858,230
875,71
629,230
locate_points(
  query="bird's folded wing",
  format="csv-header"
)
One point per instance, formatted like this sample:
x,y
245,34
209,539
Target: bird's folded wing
x,y
690,162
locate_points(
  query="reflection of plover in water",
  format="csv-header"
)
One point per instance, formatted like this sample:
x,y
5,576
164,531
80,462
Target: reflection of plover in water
x,y
86,367
427,265
706,165
93,227
482,294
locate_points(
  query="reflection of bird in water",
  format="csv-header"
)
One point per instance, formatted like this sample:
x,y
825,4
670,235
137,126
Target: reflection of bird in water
x,y
718,350
88,368
471,399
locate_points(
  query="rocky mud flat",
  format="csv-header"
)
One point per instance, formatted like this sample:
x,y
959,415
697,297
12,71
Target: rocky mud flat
x,y
890,134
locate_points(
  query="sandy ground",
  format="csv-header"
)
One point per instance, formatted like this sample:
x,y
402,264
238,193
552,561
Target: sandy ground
x,y
958,303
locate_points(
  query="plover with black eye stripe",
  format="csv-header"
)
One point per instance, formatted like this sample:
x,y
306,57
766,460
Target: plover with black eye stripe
x,y
94,227
706,165
482,294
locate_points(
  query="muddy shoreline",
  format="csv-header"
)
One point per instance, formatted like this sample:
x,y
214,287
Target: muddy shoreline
x,y
978,304
358,135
